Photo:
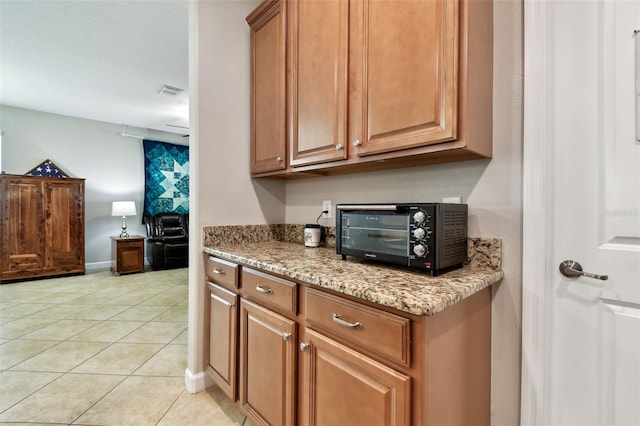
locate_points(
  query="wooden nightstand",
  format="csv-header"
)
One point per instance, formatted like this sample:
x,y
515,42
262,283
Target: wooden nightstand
x,y
127,254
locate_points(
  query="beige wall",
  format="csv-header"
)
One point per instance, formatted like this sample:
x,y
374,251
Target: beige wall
x,y
222,191
492,188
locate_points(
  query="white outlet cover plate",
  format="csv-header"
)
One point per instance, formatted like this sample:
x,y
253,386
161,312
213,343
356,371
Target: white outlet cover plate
x,y
452,200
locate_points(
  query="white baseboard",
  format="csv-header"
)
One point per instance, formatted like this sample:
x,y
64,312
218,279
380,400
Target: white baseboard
x,y
97,266
102,266
198,382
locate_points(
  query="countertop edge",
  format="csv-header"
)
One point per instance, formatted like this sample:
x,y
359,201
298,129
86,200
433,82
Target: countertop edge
x,y
474,280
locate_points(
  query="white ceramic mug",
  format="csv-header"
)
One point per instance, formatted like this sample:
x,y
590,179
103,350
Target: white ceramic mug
x,y
312,235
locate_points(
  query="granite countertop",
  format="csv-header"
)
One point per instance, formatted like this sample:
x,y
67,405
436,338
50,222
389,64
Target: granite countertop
x,y
398,288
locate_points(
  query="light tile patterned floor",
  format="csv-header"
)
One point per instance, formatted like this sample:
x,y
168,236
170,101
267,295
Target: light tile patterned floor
x,y
99,349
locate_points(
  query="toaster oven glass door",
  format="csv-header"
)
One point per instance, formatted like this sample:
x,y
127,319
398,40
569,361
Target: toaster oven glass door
x,y
375,232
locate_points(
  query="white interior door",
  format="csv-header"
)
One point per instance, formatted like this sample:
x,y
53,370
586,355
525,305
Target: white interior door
x,y
586,367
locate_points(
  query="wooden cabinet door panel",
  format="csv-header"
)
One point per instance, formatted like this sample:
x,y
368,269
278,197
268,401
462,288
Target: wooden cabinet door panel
x,y
23,237
318,37
268,132
131,257
407,88
343,387
267,365
221,338
65,224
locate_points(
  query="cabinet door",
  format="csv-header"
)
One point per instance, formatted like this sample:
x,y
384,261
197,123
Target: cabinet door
x,y
405,59
221,337
23,237
64,225
317,103
268,133
129,256
343,387
267,365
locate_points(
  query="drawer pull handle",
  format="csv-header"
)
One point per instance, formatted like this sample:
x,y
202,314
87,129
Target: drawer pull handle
x,y
218,271
354,325
221,300
263,290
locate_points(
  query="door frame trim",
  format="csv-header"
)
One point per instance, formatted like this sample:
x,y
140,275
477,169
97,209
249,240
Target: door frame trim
x,y
537,220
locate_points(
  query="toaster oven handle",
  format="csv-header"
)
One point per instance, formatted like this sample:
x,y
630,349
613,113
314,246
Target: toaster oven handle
x,y
388,207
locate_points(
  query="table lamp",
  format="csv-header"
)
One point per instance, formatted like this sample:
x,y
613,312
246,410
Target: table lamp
x,y
123,209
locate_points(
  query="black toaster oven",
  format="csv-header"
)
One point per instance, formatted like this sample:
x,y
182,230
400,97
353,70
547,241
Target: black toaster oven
x,y
431,237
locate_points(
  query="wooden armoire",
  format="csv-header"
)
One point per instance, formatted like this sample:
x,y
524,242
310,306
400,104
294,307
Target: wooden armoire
x,y
41,226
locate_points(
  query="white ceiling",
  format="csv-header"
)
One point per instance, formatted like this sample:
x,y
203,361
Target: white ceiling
x,y
98,59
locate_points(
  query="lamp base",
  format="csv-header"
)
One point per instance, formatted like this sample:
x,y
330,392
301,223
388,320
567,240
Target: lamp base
x,y
124,233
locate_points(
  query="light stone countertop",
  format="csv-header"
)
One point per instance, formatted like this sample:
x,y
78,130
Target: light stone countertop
x,y
398,288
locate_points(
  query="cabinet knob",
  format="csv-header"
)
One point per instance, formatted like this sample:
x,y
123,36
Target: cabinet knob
x,y
304,346
286,336
357,143
279,159
339,147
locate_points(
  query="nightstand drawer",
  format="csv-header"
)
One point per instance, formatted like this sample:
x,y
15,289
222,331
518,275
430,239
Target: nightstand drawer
x,y
371,328
269,289
222,272
126,245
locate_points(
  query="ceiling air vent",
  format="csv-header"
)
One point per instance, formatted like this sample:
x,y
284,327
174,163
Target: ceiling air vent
x,y
170,90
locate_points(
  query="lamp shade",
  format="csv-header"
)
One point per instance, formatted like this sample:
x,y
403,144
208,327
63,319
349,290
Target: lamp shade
x,y
123,208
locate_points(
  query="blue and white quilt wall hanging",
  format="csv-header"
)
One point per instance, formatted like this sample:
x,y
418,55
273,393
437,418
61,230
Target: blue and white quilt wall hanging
x,y
166,168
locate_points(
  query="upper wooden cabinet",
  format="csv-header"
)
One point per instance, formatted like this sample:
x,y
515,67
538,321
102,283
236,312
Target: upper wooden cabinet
x,y
42,226
405,85
318,45
374,84
268,140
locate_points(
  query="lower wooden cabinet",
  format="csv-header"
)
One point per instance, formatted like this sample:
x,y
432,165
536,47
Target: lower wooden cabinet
x,y
267,365
291,354
343,387
221,313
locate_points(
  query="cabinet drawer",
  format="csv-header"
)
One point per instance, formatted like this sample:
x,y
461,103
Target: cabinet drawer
x,y
222,272
382,332
269,289
130,244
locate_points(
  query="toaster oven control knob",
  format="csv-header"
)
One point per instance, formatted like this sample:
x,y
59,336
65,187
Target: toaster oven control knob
x,y
419,233
419,216
420,250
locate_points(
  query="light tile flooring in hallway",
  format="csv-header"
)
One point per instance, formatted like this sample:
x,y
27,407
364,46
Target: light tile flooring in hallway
x,y
100,349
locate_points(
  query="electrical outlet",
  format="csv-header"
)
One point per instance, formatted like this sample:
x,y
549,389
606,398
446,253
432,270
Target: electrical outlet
x,y
326,206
